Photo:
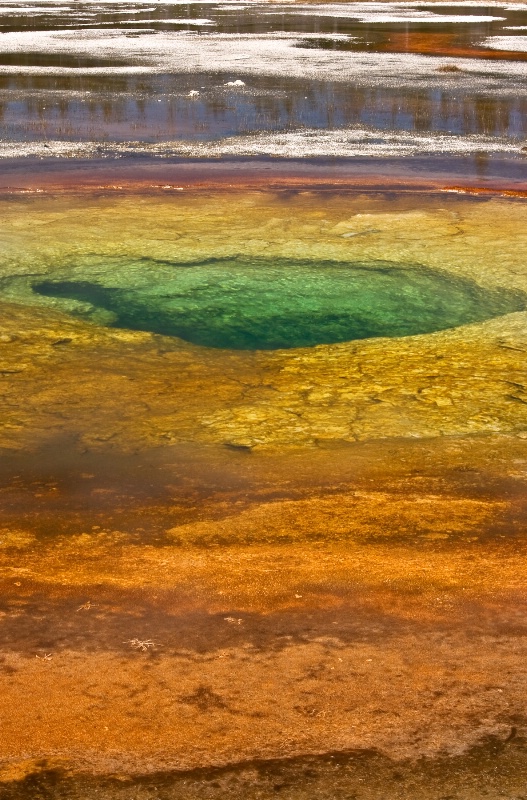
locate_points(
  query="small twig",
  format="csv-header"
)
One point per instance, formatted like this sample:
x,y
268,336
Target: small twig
x,y
511,347
140,644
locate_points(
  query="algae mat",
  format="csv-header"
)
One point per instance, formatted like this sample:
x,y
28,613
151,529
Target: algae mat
x,y
239,571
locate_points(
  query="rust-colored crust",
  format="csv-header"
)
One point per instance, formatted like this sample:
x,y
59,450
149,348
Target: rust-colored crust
x,y
443,44
347,178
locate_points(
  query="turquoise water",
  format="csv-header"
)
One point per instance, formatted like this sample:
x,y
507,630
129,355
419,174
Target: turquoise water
x,y
265,304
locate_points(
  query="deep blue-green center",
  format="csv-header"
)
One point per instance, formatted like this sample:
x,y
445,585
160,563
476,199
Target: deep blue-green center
x,y
251,304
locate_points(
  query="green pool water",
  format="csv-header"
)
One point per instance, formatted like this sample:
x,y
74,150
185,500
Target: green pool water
x,y
264,304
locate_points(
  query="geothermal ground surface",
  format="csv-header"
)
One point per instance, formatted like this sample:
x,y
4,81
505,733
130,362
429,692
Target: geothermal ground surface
x,y
263,439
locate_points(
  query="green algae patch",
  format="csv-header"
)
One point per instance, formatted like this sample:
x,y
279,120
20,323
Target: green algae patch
x,y
267,304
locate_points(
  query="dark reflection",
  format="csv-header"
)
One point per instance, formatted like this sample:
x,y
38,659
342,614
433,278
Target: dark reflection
x,y
158,107
67,60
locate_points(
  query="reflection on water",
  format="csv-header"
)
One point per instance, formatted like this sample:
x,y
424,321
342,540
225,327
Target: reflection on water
x,y
368,20
95,94
159,108
371,26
